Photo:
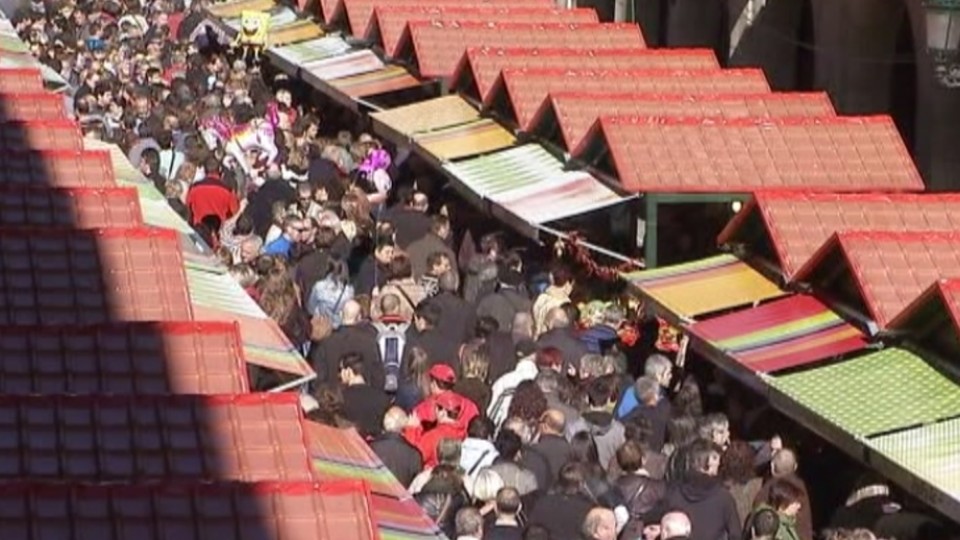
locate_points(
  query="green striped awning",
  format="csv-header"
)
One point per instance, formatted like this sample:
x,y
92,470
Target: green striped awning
x,y
220,291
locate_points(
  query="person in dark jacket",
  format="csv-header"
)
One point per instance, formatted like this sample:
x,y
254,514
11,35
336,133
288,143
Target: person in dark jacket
x,y
503,352
363,404
509,299
654,408
440,348
560,336
783,466
409,217
353,336
435,241
641,492
400,457
374,270
703,498
552,443
260,202
563,510
455,313
442,497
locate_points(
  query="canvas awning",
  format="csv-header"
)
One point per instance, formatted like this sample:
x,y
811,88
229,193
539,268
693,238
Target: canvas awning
x,y
348,91
293,33
465,140
344,65
228,10
782,334
530,185
684,291
401,124
291,58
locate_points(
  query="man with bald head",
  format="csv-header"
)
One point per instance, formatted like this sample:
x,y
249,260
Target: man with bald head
x,y
399,456
600,524
552,443
354,336
784,466
675,526
559,334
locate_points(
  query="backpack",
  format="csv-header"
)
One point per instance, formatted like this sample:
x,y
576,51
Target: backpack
x,y
391,340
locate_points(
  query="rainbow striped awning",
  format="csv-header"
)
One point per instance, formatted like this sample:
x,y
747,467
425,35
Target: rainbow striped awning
x,y
709,285
782,334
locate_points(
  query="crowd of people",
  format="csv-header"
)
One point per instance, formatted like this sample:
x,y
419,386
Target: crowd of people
x,y
507,409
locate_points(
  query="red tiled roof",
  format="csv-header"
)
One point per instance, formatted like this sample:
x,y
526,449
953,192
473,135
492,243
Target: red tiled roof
x,y
944,296
275,510
576,112
795,225
55,276
20,80
40,135
438,46
58,169
523,91
480,66
80,208
391,20
889,269
32,106
123,358
244,437
360,12
736,156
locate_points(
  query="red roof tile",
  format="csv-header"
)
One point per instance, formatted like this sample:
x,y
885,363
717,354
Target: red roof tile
x,y
32,106
58,168
480,66
123,358
55,276
735,156
518,93
245,437
360,12
933,318
20,80
40,135
438,46
889,269
578,111
274,510
790,227
390,21
80,208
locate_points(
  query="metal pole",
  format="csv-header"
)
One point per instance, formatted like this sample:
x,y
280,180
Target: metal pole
x,y
650,238
592,247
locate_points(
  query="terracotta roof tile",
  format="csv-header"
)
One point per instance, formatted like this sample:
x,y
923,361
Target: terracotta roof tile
x,y
795,225
526,89
20,80
40,135
743,155
54,276
31,106
57,169
360,12
245,437
933,318
890,269
578,111
275,510
390,21
123,358
438,46
480,66
80,208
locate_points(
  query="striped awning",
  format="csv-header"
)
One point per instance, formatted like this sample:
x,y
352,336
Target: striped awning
x,y
465,140
290,58
781,334
403,123
687,290
388,79
344,65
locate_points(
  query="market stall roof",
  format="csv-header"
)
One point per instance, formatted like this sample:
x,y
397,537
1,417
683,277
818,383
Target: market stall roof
x,y
403,519
566,116
782,334
924,457
123,358
932,320
290,58
56,276
685,291
79,208
57,169
881,273
464,140
479,67
528,186
349,91
518,94
345,65
242,437
232,10
389,21
435,48
275,510
787,228
697,155
359,13
14,80
294,32
403,123
878,393
40,135
31,106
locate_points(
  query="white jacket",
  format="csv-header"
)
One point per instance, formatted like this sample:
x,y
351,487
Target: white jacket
x,y
502,392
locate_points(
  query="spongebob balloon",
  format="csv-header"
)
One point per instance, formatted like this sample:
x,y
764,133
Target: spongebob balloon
x,y
252,37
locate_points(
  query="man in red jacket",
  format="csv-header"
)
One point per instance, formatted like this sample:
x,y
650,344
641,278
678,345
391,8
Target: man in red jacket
x,y
444,414
210,196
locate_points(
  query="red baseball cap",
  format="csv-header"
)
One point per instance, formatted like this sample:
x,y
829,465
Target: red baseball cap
x,y
450,401
442,373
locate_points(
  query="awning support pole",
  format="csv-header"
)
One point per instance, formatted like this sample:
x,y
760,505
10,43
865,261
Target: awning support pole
x,y
592,247
650,235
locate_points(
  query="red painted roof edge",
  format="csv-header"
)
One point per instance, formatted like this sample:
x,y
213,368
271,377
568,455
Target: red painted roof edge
x,y
524,26
185,486
570,51
480,9
691,98
171,327
835,242
47,96
828,245
104,154
106,232
105,191
705,72
800,195
898,236
20,71
58,123
541,111
747,121
239,400
596,130
936,292
733,226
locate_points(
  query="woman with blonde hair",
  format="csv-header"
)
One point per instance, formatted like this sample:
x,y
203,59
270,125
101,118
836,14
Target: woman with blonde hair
x,y
474,371
484,491
280,300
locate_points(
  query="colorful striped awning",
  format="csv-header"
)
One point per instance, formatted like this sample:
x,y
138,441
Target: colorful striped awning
x,y
344,65
782,334
465,140
705,286
402,123
388,79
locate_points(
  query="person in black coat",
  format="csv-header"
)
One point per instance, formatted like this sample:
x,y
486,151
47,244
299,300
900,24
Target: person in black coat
x,y
703,498
455,313
563,510
363,405
561,337
552,444
260,202
353,337
399,456
441,348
